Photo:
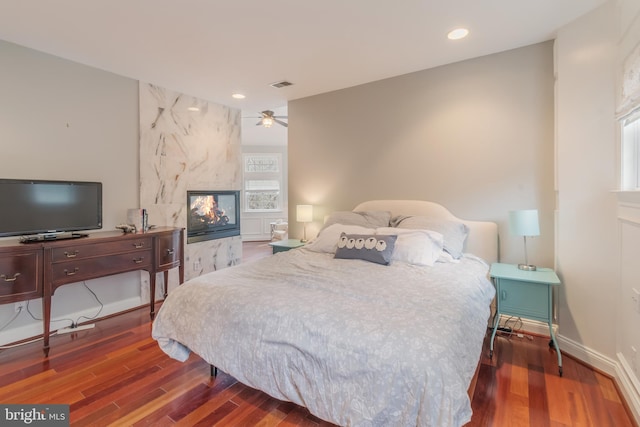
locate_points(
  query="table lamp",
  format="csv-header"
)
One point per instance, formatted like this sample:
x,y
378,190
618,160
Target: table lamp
x,y
524,223
304,214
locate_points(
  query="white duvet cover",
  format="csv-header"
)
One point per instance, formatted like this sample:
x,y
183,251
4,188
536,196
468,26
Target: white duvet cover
x,y
357,343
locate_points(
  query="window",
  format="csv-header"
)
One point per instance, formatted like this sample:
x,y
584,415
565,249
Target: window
x,y
629,114
262,182
631,151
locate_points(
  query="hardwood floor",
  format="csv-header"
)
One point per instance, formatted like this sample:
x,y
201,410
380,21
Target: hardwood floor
x,y
115,374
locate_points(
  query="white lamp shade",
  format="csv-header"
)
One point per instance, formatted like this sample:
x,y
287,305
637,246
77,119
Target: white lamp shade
x,y
304,213
524,223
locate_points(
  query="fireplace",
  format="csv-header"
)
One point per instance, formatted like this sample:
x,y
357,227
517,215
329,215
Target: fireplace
x,y
212,215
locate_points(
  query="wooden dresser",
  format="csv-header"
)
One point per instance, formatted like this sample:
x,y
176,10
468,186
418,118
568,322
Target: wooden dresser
x,y
36,270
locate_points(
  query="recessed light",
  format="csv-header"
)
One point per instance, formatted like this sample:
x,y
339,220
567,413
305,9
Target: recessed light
x,y
193,109
457,34
238,96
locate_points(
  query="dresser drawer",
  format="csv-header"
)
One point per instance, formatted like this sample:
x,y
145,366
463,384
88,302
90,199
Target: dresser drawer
x,y
169,251
524,299
82,269
67,253
20,276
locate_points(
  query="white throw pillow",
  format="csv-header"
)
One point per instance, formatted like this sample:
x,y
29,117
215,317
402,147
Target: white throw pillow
x,y
419,247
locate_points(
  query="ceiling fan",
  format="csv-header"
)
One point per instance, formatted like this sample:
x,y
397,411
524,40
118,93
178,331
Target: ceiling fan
x,y
268,118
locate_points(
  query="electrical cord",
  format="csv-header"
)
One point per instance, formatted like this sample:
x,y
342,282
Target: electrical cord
x,y
7,347
12,319
509,330
75,324
40,319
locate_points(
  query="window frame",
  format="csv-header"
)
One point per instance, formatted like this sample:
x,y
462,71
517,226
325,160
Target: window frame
x,y
248,176
630,151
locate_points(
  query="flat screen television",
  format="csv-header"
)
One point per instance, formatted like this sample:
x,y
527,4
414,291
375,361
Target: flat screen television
x,y
47,208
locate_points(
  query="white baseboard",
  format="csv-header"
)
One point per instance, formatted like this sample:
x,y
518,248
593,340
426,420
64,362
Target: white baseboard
x,y
629,386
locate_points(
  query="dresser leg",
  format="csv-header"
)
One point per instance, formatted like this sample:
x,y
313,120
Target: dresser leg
x,y
152,294
46,320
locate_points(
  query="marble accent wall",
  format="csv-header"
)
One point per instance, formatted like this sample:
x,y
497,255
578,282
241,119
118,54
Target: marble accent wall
x,y
188,144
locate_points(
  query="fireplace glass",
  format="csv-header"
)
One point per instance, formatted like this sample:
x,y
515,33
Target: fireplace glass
x,y
212,215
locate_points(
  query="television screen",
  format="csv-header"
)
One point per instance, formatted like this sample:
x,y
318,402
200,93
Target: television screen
x,y
44,207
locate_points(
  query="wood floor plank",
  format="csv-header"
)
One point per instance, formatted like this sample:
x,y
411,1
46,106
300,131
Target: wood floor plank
x,y
192,403
219,414
203,411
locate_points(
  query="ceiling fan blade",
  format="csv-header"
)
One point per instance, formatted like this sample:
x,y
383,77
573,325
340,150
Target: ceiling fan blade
x,y
280,122
259,123
280,117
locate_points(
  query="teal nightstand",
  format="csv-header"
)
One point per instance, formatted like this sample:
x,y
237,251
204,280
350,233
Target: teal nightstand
x,y
285,245
526,294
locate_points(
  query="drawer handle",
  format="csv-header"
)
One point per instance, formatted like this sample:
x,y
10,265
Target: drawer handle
x,y
138,245
71,273
504,294
138,260
71,254
9,279
170,251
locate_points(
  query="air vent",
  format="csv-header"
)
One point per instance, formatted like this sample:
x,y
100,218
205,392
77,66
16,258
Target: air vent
x,y
283,83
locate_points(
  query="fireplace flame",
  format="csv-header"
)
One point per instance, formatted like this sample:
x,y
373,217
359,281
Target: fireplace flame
x,y
205,210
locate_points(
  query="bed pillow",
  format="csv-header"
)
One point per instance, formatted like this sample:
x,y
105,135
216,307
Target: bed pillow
x,y
418,247
327,239
455,232
367,247
369,219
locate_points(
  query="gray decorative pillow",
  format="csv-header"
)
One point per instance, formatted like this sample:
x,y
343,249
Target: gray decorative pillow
x,y
368,219
454,232
372,248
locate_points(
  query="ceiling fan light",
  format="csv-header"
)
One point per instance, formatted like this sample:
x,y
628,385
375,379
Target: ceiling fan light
x,y
267,122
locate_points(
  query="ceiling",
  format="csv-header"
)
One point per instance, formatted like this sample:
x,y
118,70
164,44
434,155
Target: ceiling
x,y
213,48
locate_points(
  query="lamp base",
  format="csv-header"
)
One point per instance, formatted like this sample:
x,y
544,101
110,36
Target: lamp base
x,y
527,267
303,240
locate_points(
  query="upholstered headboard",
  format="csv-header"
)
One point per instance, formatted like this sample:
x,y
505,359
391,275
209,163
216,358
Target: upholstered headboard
x,y
483,235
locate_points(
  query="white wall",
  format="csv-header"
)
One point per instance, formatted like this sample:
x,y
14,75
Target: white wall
x,y
476,136
598,320
62,120
587,250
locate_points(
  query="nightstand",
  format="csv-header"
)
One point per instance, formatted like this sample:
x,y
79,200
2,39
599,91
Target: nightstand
x,y
285,245
526,294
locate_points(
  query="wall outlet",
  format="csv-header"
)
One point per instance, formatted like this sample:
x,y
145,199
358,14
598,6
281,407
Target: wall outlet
x,y
196,265
20,306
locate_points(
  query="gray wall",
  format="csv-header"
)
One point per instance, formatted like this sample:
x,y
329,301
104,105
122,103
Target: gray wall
x,y
62,120
475,136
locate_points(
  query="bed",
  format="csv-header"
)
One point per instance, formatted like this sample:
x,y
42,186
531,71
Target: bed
x,y
359,334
